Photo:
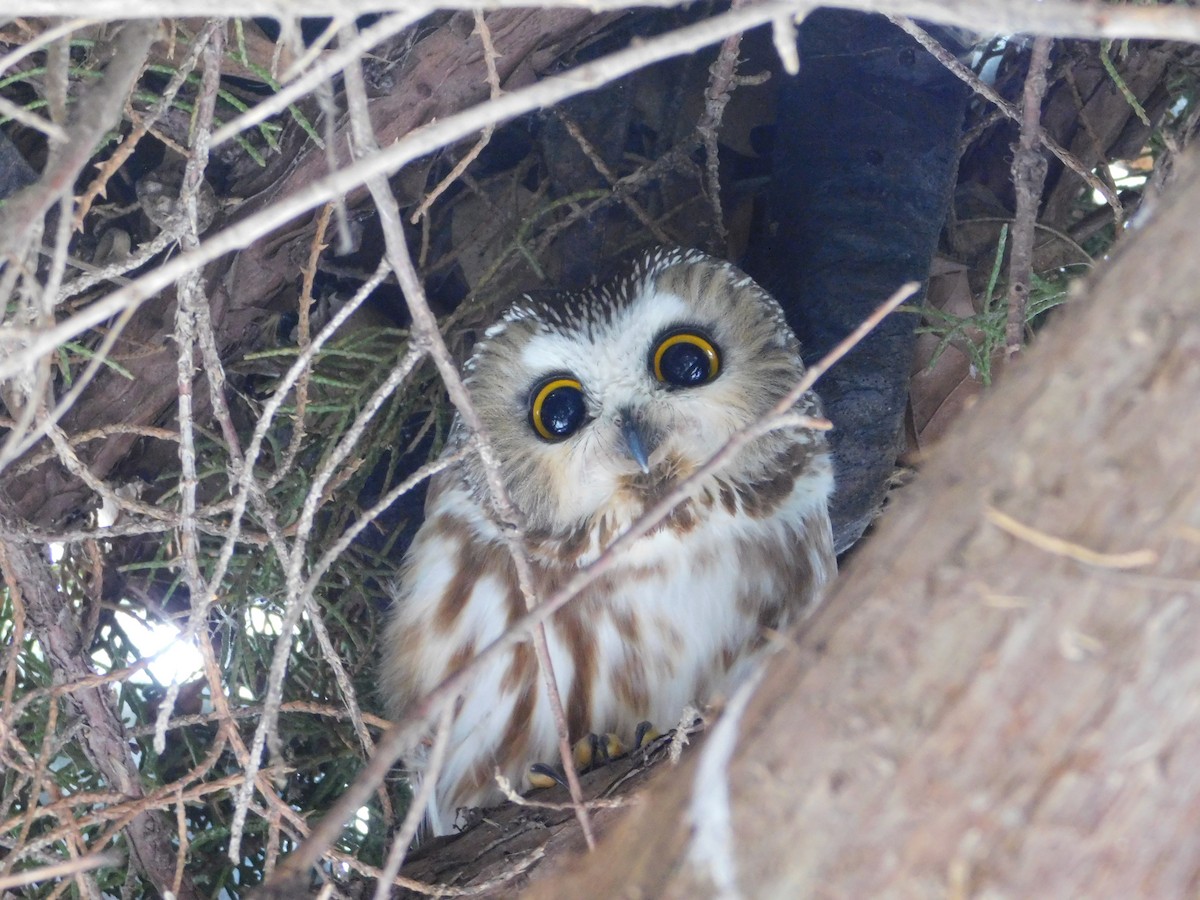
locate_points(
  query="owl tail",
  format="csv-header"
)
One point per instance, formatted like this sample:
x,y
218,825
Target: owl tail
x,y
434,821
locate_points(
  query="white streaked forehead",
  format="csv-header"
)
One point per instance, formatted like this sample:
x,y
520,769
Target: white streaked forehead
x,y
606,349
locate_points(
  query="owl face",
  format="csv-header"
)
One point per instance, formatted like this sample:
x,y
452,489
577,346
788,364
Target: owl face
x,y
598,402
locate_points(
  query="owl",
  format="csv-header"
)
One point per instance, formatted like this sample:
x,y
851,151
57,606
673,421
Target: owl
x,y
598,403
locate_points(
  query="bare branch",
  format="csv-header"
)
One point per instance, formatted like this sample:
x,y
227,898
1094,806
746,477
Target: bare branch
x,y
977,84
1063,18
1029,175
61,870
29,345
96,112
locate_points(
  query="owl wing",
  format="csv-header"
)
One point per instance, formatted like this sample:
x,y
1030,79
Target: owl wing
x,y
457,593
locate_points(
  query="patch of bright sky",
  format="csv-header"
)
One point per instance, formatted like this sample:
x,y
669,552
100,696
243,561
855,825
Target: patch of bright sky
x,y
175,659
263,620
362,820
1122,178
988,73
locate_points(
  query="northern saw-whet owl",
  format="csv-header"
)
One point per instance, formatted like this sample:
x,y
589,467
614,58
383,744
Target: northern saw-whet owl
x,y
597,403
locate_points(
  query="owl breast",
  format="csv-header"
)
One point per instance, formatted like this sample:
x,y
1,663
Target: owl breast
x,y
597,407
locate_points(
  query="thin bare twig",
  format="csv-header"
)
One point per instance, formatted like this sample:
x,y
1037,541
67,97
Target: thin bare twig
x,y
721,82
1029,174
1134,559
303,340
322,70
125,149
489,59
510,794
340,676
420,801
49,36
608,175
60,870
96,112
1064,18
187,315
947,59
40,781
29,344
32,120
191,298
425,329
113,270
338,547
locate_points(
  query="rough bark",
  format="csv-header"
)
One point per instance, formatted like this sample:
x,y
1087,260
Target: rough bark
x,y
977,713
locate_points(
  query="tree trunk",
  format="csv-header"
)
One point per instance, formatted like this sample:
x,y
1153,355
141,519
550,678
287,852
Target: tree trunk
x,y
980,709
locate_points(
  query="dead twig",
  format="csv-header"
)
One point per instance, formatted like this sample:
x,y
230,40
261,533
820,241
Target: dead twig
x,y
489,59
96,112
1028,174
510,793
722,81
303,340
125,149
985,90
420,802
1060,547
607,174
323,68
66,869
22,116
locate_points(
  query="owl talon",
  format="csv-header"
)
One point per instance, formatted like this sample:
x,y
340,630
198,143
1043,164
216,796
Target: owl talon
x,y
596,750
543,776
589,752
645,735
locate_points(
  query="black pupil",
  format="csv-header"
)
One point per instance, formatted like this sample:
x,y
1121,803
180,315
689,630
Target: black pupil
x,y
563,411
684,364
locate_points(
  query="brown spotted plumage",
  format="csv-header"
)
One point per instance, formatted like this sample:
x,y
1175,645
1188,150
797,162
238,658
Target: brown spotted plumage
x,y
597,404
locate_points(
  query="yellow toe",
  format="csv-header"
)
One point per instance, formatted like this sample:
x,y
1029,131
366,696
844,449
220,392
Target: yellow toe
x,y
596,750
541,776
646,734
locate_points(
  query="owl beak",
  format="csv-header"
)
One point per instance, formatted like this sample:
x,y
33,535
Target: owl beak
x,y
635,441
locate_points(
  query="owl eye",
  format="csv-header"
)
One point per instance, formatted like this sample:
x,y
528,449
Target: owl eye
x,y
557,409
685,359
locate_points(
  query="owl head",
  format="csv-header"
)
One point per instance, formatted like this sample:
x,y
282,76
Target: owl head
x,y
598,402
